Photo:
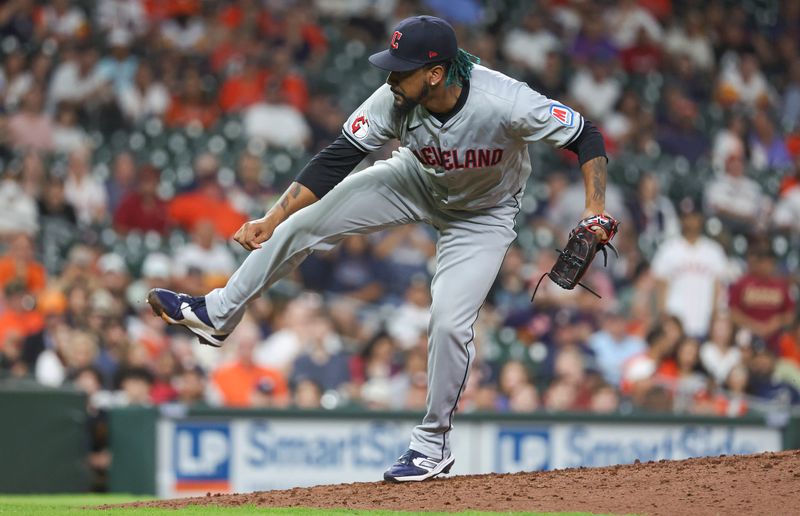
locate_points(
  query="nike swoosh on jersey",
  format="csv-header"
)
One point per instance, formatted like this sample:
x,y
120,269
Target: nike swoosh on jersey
x,y
409,128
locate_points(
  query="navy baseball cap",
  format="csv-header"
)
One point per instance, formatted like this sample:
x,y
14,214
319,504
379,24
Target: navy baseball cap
x,y
415,42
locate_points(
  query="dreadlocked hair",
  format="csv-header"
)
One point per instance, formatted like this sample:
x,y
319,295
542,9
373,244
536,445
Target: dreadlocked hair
x,y
461,67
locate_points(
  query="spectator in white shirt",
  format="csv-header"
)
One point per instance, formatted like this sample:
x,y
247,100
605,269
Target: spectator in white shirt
x,y
63,21
689,272
67,134
596,90
627,19
16,79
735,198
410,320
787,208
276,122
122,14
207,254
20,213
184,32
718,354
741,81
693,41
77,79
145,97
85,193
728,140
530,43
291,333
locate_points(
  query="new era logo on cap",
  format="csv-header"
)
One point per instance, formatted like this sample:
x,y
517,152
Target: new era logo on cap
x,y
432,54
563,114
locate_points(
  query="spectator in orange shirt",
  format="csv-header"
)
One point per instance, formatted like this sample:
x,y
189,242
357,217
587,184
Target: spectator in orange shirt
x,y
193,105
247,87
789,344
159,9
18,318
233,49
243,383
19,264
244,87
240,16
52,304
292,85
301,31
645,370
185,209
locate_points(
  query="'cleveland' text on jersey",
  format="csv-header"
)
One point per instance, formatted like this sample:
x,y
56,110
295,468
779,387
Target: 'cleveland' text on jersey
x,y
450,159
479,157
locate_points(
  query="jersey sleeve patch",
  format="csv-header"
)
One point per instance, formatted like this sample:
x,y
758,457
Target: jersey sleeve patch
x,y
562,113
360,126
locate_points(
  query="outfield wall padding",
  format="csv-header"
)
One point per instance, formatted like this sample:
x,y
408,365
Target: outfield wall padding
x,y
43,440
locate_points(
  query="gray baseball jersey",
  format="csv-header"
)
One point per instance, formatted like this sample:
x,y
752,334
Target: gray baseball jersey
x,y
479,157
464,177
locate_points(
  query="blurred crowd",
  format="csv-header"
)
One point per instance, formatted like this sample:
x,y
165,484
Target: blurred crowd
x,y
137,135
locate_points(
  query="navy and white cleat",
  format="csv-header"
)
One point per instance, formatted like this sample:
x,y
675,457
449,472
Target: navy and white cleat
x,y
412,466
187,311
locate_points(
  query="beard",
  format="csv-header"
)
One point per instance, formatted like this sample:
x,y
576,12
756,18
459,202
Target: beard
x,y
401,108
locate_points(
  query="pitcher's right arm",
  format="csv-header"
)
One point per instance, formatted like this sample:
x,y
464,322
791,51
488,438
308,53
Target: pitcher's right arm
x,y
366,130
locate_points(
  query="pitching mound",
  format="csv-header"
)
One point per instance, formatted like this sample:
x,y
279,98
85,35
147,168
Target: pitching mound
x,y
768,483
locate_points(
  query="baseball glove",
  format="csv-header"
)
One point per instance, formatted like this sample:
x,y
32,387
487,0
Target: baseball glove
x,y
585,240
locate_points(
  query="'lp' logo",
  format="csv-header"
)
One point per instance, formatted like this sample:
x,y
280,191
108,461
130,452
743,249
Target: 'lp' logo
x,y
202,451
522,449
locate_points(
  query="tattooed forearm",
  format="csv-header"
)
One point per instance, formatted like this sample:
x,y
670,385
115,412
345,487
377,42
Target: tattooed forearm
x,y
293,192
594,182
599,180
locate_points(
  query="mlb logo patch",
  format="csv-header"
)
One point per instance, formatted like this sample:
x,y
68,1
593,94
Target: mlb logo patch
x,y
563,114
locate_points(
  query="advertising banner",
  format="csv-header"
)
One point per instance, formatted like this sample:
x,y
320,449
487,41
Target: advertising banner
x,y
527,448
197,456
243,455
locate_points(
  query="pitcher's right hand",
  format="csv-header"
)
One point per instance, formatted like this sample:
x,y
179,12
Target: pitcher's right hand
x,y
255,232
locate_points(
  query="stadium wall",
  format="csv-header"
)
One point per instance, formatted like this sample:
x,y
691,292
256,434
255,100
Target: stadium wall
x,y
171,452
44,441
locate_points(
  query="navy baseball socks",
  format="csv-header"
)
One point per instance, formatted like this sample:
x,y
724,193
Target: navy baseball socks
x,y
188,311
412,466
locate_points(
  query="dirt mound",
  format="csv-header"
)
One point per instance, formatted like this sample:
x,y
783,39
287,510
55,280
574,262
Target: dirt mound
x,y
767,483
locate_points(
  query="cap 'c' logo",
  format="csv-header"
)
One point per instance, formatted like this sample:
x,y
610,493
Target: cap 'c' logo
x,y
395,38
360,126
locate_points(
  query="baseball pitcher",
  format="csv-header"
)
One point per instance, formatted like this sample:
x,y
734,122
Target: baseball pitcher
x,y
462,168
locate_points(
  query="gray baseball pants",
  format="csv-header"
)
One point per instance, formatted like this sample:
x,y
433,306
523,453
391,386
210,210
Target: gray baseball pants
x,y
469,252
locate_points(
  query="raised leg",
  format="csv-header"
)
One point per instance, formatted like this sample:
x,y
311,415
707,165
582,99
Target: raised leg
x,y
386,194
